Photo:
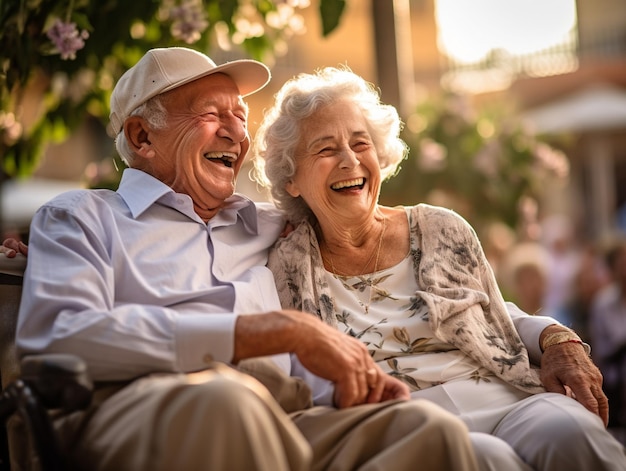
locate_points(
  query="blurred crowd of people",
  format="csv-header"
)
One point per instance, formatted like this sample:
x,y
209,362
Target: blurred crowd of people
x,y
582,285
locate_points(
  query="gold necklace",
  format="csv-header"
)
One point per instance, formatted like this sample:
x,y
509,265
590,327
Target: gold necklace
x,y
367,281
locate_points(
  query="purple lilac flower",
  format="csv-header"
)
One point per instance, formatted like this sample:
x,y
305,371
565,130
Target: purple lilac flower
x,y
189,21
66,38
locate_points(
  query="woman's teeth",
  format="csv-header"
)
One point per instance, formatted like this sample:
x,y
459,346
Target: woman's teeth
x,y
348,183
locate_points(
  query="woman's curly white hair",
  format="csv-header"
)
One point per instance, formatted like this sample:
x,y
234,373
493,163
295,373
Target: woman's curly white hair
x,y
277,138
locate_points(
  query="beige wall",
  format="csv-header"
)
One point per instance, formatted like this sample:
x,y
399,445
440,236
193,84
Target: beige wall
x,y
600,16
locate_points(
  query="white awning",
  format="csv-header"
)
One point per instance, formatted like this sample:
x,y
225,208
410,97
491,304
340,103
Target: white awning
x,y
598,107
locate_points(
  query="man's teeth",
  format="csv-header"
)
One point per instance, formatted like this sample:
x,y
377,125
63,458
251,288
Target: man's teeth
x,y
348,183
227,157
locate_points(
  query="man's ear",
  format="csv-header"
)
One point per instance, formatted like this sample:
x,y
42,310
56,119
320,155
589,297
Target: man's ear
x,y
292,189
137,136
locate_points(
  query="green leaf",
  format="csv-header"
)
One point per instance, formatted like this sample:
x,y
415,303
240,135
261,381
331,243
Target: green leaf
x,y
82,21
227,8
330,13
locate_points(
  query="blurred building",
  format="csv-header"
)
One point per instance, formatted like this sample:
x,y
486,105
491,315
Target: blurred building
x,y
575,93
587,108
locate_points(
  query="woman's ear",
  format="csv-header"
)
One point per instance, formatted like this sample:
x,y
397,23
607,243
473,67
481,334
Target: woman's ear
x,y
137,137
292,189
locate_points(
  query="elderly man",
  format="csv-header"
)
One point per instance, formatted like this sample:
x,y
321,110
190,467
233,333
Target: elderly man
x,y
162,284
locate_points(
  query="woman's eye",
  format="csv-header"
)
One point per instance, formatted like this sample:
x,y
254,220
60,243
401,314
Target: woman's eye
x,y
326,151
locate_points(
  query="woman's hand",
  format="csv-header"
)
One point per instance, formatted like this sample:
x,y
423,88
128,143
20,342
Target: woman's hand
x,y
566,366
11,247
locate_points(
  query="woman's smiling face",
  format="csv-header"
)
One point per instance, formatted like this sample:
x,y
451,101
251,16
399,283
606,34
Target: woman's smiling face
x,y
338,173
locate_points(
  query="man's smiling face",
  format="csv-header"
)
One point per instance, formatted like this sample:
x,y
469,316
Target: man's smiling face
x,y
201,150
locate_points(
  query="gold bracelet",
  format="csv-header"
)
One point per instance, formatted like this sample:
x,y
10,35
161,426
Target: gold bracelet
x,y
564,337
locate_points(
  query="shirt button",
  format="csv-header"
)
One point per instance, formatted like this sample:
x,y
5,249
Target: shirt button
x,y
208,359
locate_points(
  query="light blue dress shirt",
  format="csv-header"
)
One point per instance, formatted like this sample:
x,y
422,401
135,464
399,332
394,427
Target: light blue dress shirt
x,y
135,282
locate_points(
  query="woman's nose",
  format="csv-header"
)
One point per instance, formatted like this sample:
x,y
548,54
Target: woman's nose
x,y
349,159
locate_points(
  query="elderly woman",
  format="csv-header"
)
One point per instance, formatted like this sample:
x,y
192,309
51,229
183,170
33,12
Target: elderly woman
x,y
414,285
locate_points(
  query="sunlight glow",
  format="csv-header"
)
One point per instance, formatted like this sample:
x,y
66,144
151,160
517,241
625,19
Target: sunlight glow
x,y
470,29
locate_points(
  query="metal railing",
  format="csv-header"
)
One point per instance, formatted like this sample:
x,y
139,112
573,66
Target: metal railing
x,y
498,69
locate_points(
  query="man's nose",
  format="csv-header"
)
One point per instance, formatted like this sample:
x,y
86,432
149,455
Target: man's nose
x,y
232,127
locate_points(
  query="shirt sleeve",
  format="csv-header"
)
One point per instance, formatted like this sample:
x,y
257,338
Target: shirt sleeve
x,y
529,329
72,304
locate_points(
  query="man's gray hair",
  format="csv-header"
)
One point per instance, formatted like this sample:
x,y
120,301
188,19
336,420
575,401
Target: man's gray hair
x,y
154,112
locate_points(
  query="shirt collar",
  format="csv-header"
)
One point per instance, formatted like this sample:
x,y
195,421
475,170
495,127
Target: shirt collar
x,y
238,207
140,191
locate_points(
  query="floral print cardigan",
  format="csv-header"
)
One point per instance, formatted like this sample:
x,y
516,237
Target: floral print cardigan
x,y
454,279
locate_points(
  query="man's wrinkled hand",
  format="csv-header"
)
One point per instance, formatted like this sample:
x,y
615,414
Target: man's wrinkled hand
x,y
567,365
344,360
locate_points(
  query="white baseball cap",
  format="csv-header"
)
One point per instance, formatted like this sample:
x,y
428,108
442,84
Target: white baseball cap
x,y
164,69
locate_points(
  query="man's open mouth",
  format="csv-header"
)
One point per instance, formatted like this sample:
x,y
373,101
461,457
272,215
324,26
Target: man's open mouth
x,y
227,158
